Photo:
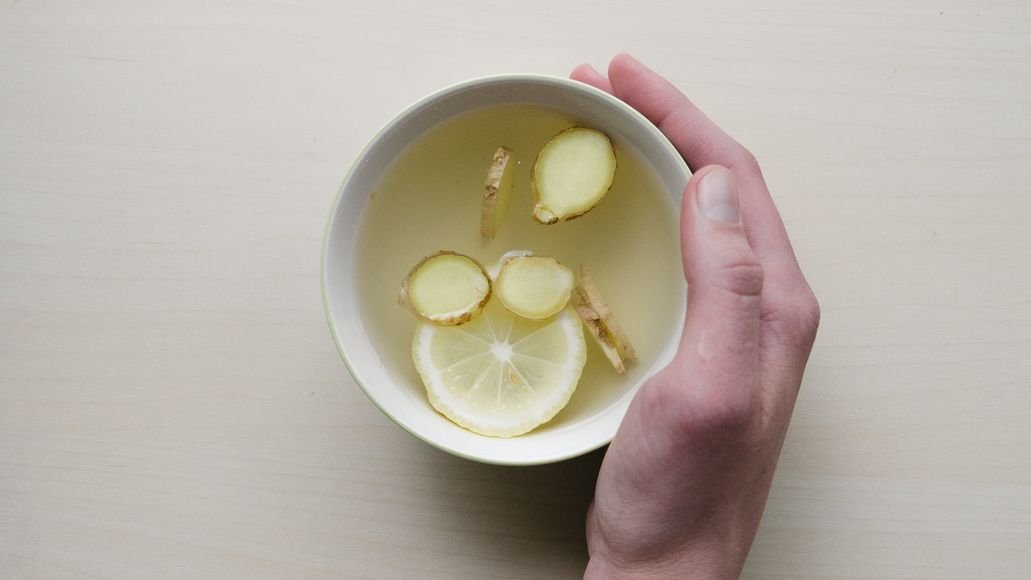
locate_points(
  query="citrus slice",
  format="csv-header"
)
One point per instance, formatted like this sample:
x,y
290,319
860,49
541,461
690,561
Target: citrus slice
x,y
499,374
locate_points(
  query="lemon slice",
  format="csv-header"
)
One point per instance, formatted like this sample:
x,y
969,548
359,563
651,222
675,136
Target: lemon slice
x,y
501,375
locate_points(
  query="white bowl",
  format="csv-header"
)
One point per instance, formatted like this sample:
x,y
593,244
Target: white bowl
x,y
592,108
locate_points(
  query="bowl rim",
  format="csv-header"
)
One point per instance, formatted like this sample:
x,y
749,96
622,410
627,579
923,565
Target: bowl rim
x,y
402,116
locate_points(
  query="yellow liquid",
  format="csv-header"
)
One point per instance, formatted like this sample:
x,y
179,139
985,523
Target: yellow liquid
x,y
429,200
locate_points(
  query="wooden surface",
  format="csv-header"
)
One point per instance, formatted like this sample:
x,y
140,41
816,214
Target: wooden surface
x,y
172,406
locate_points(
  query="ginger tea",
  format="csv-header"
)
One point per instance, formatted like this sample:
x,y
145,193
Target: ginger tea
x,y
430,199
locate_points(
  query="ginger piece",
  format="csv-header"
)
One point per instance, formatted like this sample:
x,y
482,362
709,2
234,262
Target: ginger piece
x,y
534,287
497,191
495,269
446,288
601,323
572,174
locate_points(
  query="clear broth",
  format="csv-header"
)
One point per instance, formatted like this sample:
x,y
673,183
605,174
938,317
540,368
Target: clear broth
x,y
429,199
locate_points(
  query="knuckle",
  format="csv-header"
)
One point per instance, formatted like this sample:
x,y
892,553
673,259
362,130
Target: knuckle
x,y
751,164
811,311
695,413
805,312
723,414
744,161
798,316
743,277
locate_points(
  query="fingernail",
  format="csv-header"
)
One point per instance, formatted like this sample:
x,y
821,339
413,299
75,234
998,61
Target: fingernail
x,y
717,196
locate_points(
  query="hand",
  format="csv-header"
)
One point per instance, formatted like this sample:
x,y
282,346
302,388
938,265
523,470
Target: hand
x,y
684,483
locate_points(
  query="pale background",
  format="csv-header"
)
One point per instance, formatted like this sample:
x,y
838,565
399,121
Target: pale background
x,y
172,406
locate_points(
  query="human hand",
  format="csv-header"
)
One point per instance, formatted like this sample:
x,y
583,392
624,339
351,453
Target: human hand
x,y
684,483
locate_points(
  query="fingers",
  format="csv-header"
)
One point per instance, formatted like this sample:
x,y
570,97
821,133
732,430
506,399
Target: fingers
x,y
697,138
733,251
719,348
701,142
587,74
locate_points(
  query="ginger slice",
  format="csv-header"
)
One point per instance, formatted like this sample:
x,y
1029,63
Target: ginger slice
x,y
497,191
495,269
601,323
572,174
446,288
534,287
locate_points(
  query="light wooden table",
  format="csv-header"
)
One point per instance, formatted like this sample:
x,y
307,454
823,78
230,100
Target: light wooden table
x,y
171,404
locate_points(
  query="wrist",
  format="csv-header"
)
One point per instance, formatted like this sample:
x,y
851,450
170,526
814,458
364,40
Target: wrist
x,y
703,562
717,550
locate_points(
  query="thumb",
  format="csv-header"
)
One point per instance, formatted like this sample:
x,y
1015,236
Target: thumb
x,y
719,349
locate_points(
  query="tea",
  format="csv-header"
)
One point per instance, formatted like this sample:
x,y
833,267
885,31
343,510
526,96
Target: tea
x,y
429,199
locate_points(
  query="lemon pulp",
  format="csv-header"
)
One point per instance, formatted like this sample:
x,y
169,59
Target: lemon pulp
x,y
501,375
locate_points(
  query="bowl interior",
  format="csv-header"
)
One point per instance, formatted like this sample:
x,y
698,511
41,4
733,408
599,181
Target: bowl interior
x,y
377,377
